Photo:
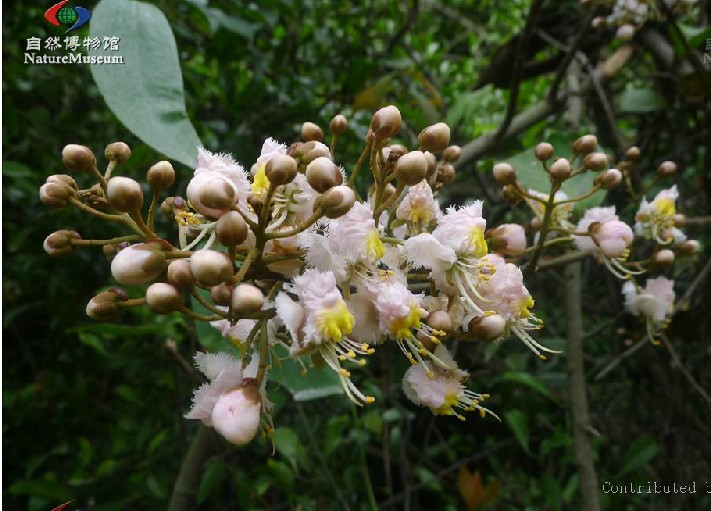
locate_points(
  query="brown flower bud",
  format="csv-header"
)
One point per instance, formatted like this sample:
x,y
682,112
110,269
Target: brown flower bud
x,y
179,273
679,220
394,151
625,32
560,170
161,175
59,243
170,204
386,122
221,294
666,169
247,299
281,169
311,131
218,195
323,174
487,328
63,179
78,158
504,174
452,153
138,264
510,195
105,306
55,194
633,153
536,224
257,203
446,174
210,267
585,144
662,258
118,152
440,320
124,194
411,168
434,138
337,201
689,247
339,124
231,229
610,179
595,161
163,298
431,164
544,151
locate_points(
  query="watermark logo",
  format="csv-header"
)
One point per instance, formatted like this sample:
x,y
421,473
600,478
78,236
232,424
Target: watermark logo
x,y
60,14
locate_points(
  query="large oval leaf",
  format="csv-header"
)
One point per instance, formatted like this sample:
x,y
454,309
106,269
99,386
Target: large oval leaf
x,y
146,91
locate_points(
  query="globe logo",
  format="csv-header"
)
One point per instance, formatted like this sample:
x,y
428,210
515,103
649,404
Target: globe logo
x,y
61,14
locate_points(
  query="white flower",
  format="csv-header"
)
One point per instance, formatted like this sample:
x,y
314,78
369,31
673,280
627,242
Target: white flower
x,y
224,373
442,391
260,183
610,238
210,167
655,301
418,207
655,220
462,230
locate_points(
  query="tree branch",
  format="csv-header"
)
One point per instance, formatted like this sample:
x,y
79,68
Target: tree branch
x,y
202,447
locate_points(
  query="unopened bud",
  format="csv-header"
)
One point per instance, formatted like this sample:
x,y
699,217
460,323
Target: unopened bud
x,y
633,153
59,243
666,169
689,247
452,153
170,204
446,174
625,32
247,299
63,179
487,328
386,122
236,415
536,224
508,240
679,220
434,138
560,170
138,264
163,298
511,195
339,124
337,201
78,158
55,194
179,273
595,161
210,267
124,194
218,195
118,152
221,294
105,306
504,174
662,258
411,168
311,131
585,144
544,151
322,174
161,175
440,320
431,164
610,179
231,229
281,169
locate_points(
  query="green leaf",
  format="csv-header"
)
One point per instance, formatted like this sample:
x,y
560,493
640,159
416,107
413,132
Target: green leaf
x,y
286,442
49,490
315,384
639,101
146,91
529,380
519,424
640,453
214,474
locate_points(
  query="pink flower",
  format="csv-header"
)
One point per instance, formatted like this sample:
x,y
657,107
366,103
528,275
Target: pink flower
x,y
614,237
655,301
610,236
224,372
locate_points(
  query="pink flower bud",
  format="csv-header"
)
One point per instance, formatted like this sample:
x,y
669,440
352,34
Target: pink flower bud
x,y
138,264
236,415
508,239
614,237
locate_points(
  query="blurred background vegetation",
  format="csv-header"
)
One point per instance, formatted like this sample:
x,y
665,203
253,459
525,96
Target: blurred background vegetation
x,y
93,412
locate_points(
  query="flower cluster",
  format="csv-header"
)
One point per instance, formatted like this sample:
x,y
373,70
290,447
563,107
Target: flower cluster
x,y
287,255
628,16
